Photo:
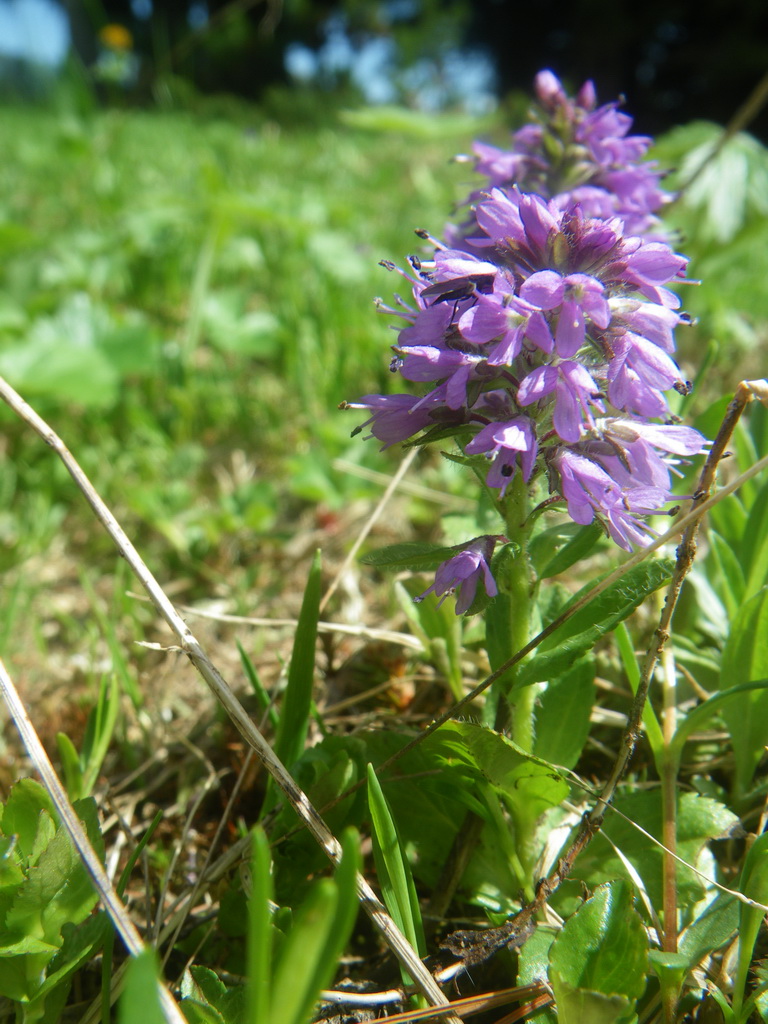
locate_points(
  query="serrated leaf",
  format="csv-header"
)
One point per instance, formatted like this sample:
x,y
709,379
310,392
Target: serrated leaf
x,y
529,784
21,815
602,950
582,631
197,1012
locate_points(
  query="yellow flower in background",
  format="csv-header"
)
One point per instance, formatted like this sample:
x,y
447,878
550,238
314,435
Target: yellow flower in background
x,y
116,37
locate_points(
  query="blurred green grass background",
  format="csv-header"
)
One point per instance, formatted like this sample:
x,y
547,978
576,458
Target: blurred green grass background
x,y
177,288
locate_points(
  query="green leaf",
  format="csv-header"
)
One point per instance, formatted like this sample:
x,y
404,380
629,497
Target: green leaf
x,y
711,929
21,815
416,557
562,714
140,999
529,784
558,548
70,760
580,633
392,868
599,960
699,820
754,548
79,945
671,970
533,965
294,991
266,705
753,884
745,660
99,730
260,933
731,575
198,1012
702,715
297,700
438,627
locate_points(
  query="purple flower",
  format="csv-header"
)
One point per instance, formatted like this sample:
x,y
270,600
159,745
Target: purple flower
x,y
395,417
574,391
578,152
463,572
507,444
590,491
547,327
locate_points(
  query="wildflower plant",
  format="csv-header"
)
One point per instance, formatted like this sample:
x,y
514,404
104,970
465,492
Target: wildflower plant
x,y
541,335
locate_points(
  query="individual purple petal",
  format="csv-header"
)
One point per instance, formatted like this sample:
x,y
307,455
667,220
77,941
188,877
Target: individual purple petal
x,y
674,438
544,289
590,295
538,220
652,321
425,362
567,418
655,263
483,321
650,362
507,350
570,331
537,329
539,383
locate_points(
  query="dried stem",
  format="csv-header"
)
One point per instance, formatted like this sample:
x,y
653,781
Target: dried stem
x,y
111,901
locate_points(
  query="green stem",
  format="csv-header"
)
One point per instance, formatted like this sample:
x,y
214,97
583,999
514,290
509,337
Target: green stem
x,y
515,605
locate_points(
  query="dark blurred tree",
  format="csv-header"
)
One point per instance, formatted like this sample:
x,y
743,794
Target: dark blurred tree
x,y
674,59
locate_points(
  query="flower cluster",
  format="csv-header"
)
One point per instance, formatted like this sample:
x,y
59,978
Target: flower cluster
x,y
577,152
547,335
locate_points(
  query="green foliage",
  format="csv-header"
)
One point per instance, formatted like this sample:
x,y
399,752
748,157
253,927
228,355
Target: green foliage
x,y
82,770
46,899
440,630
393,871
599,961
140,1000
699,820
723,215
601,615
745,660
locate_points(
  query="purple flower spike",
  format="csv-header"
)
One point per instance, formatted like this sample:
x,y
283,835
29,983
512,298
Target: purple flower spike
x,y
546,325
463,572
